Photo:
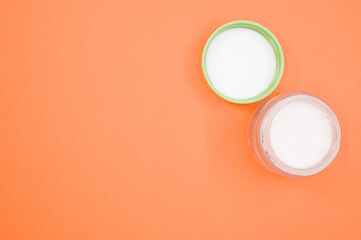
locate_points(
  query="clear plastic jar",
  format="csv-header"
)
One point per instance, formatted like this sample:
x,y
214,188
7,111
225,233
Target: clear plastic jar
x,y
263,145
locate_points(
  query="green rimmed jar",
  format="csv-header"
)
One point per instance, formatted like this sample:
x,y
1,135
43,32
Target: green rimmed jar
x,y
273,42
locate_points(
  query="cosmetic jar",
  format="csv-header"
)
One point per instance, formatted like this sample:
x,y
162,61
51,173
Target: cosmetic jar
x,y
294,135
242,62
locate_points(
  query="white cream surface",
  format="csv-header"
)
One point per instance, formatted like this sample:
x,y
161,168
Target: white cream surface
x,y
240,63
301,134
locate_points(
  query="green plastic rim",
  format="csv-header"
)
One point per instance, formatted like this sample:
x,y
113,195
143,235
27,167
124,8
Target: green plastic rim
x,y
276,48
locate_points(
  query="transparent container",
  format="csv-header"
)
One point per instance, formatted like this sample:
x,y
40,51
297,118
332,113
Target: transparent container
x,y
259,135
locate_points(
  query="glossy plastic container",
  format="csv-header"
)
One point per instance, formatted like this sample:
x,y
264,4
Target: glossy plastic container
x,y
272,40
260,140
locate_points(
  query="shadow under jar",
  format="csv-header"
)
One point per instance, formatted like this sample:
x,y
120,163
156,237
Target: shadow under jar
x,y
294,135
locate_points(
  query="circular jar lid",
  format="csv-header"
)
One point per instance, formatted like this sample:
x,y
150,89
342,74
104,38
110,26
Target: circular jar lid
x,y
242,62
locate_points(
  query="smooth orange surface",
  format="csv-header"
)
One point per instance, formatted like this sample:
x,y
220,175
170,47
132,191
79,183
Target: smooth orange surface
x,y
108,130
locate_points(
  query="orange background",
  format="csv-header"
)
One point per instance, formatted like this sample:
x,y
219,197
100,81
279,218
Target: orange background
x,y
108,131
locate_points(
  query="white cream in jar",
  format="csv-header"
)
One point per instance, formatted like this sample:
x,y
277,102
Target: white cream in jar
x,y
240,63
294,134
